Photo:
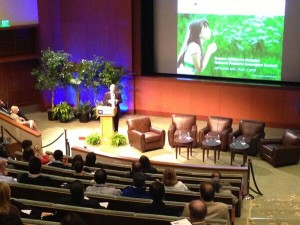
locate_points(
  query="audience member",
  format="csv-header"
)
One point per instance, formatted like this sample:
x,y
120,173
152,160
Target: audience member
x,y
146,166
198,211
215,210
76,199
3,172
170,181
78,169
14,115
72,219
135,167
28,154
34,176
100,187
38,152
138,188
157,192
3,152
90,160
216,179
4,108
9,214
59,160
79,157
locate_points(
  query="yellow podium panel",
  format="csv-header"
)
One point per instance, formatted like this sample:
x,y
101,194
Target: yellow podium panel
x,y
106,114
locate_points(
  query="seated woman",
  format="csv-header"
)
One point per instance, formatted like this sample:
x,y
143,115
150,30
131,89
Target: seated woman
x,y
171,183
14,115
9,214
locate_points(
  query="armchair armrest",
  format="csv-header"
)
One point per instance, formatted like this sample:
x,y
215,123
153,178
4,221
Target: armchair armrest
x,y
235,133
202,133
226,131
270,141
156,130
258,136
194,128
171,132
136,138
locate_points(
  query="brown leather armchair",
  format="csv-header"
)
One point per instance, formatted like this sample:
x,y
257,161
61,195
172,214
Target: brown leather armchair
x,y
143,136
184,124
217,126
281,151
252,131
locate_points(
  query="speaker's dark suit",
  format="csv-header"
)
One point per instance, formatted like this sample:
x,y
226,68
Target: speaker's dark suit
x,y
118,97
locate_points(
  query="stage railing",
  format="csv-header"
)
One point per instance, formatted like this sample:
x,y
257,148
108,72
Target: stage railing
x,y
67,144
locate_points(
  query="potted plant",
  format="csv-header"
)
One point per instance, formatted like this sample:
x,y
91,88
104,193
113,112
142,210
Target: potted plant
x,y
63,112
118,140
83,112
93,139
53,71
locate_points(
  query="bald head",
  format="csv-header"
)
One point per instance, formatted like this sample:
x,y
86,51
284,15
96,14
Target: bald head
x,y
112,88
198,210
14,109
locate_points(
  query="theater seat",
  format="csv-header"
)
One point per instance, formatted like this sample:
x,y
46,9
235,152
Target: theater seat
x,y
282,151
143,136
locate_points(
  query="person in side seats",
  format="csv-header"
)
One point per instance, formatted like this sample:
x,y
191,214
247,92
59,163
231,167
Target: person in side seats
x,y
59,160
215,210
171,183
100,187
4,108
146,166
9,214
3,172
35,177
198,211
138,188
157,192
30,123
28,153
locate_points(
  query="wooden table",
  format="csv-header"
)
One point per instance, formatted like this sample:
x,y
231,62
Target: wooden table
x,y
183,142
211,144
239,147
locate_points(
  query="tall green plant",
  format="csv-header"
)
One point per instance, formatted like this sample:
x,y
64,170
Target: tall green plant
x,y
53,71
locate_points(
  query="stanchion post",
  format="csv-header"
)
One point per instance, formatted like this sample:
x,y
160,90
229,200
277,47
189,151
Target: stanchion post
x,y
248,196
66,144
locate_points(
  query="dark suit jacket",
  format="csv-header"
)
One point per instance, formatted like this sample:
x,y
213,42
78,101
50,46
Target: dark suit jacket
x,y
40,180
107,97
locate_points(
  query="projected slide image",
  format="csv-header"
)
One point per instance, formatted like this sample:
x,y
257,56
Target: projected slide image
x,y
229,43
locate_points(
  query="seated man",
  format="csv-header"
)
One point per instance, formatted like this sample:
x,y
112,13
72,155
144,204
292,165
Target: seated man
x,y
215,210
59,160
100,187
157,192
138,188
198,211
30,123
34,176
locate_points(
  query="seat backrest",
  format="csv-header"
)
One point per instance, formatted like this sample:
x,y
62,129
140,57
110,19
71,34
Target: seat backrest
x,y
291,138
251,127
183,122
218,124
141,124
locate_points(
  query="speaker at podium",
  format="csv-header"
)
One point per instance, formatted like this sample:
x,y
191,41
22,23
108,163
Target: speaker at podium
x,y
106,114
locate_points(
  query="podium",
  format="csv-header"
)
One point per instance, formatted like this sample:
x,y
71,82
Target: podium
x,y
106,114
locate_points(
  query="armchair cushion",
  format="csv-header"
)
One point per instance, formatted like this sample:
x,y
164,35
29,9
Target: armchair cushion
x,y
143,136
184,124
217,126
